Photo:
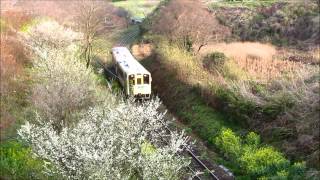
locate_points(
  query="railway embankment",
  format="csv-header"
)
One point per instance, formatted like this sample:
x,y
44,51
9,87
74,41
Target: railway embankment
x,y
195,98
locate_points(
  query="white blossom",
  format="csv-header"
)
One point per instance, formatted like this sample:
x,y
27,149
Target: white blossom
x,y
64,85
120,142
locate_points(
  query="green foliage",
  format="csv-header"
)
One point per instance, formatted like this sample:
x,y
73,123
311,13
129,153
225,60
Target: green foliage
x,y
3,25
253,139
101,49
137,8
25,28
215,60
237,107
277,104
282,23
262,161
229,143
297,170
251,4
202,119
17,162
147,148
256,160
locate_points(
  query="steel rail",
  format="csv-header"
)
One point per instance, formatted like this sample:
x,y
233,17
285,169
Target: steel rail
x,y
125,41
185,147
194,156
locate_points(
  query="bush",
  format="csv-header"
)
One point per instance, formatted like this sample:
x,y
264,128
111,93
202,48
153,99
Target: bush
x,y
262,161
17,162
120,141
229,143
215,60
64,86
238,108
256,160
253,139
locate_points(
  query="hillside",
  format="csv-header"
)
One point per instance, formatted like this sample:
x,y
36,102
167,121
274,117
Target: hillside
x,y
235,83
258,71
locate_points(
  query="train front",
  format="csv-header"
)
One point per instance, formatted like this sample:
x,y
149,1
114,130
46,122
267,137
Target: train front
x,y
140,85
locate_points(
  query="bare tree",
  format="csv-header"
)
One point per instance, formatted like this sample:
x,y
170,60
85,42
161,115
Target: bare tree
x,y
190,24
64,85
91,19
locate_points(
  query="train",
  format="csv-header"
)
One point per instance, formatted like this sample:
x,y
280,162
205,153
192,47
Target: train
x,y
134,78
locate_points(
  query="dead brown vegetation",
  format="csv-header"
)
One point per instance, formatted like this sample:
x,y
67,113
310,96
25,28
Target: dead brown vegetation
x,y
12,60
261,61
91,17
190,24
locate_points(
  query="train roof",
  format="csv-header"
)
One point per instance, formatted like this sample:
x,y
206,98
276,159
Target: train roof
x,y
127,62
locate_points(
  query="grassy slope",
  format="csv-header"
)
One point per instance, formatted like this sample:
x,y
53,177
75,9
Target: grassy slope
x,y
137,8
242,4
186,99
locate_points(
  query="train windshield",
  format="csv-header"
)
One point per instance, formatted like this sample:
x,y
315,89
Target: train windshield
x,y
146,79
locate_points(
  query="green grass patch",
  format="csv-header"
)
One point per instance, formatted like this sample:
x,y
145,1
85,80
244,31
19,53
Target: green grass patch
x,y
250,4
101,49
3,26
137,8
25,28
256,160
17,162
202,119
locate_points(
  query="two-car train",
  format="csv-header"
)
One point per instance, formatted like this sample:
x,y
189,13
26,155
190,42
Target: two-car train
x,y
134,78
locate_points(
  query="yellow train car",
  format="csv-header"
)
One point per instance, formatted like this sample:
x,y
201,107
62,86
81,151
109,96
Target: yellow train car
x,y
134,78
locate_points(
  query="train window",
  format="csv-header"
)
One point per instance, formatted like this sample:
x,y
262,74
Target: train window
x,y
131,79
138,80
146,79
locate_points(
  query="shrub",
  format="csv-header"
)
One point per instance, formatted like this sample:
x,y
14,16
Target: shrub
x,y
253,140
254,159
263,161
124,140
239,109
229,143
215,60
64,84
17,162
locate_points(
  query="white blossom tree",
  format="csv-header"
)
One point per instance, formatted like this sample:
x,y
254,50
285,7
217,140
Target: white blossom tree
x,y
63,83
122,141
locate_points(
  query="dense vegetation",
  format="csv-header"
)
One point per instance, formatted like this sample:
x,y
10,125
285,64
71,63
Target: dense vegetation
x,y
255,159
255,104
244,86
71,126
281,23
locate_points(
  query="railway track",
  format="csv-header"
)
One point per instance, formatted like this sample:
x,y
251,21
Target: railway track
x,y
207,169
200,169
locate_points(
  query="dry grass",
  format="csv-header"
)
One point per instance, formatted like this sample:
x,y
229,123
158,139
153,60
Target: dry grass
x,y
12,74
142,51
188,69
260,61
285,94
